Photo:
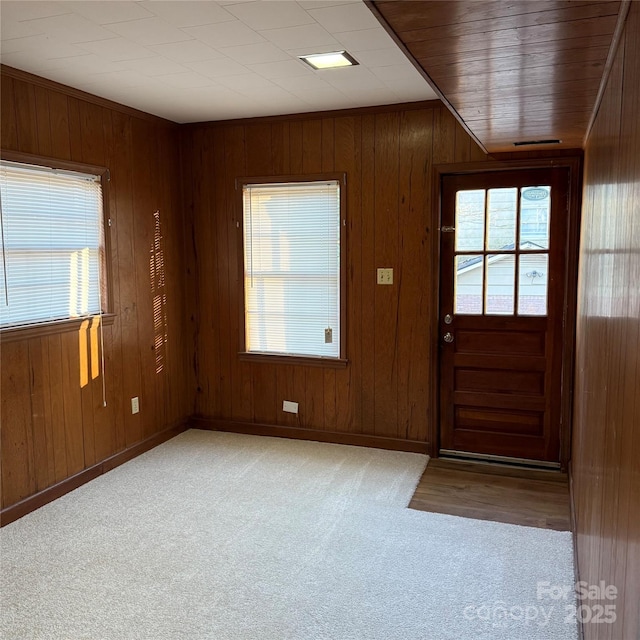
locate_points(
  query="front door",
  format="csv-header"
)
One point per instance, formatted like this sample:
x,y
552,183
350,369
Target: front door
x,y
503,257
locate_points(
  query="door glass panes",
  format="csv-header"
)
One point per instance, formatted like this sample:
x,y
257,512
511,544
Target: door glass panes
x,y
502,205
533,284
535,210
502,251
468,284
469,220
500,289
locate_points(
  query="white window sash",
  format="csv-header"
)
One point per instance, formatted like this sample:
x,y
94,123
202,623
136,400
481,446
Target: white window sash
x,y
292,268
52,244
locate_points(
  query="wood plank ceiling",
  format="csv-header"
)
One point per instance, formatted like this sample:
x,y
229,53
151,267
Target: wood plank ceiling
x,y
510,70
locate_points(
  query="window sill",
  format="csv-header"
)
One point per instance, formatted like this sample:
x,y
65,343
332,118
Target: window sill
x,y
307,361
26,332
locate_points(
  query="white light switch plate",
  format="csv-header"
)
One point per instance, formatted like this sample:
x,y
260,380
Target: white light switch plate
x,y
135,405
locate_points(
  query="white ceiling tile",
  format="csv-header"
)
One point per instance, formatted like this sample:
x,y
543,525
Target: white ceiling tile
x,y
226,34
121,79
254,53
397,72
149,91
247,82
71,28
350,78
148,31
284,69
196,61
16,29
409,94
189,51
185,80
157,66
107,12
116,49
154,90
382,57
275,14
305,84
411,90
291,104
309,36
317,4
225,103
267,95
89,63
45,46
365,40
64,75
277,94
35,63
217,68
345,17
215,93
370,96
326,100
23,60
20,10
188,13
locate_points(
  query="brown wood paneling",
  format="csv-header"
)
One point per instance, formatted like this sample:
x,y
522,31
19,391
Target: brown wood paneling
x,y
18,472
385,189
300,433
520,58
54,424
606,442
388,157
414,220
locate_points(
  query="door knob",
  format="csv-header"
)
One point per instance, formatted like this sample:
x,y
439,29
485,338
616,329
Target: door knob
x,y
448,337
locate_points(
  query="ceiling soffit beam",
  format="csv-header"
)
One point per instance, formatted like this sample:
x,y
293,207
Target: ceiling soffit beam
x,y
584,115
372,6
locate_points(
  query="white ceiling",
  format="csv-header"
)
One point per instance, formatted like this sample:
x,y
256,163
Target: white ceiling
x,y
192,61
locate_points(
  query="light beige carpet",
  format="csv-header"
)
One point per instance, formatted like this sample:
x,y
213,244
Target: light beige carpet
x,y
222,536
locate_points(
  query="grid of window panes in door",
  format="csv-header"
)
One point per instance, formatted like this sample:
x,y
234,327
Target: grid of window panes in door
x,y
501,262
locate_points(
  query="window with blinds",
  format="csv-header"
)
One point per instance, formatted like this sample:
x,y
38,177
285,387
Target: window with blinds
x,y
292,274
52,237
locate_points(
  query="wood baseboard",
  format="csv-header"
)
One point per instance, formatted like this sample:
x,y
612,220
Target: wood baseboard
x,y
22,508
299,433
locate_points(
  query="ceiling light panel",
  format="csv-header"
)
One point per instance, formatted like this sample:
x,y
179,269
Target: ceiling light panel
x,y
332,60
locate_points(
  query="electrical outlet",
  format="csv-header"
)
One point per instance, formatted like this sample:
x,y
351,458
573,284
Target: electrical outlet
x,y
290,407
135,405
385,276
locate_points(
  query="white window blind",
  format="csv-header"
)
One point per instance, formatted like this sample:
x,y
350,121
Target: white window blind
x,y
292,268
52,244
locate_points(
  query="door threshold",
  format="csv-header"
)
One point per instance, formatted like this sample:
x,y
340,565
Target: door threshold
x,y
524,463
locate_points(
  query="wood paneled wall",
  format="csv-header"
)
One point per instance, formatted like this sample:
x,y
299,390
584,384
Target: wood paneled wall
x,y
386,389
54,423
606,438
